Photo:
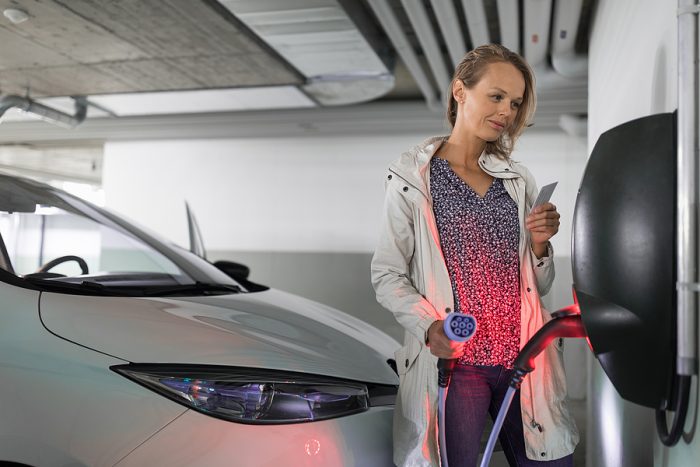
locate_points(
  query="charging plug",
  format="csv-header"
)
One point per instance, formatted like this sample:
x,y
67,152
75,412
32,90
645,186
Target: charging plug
x,y
459,327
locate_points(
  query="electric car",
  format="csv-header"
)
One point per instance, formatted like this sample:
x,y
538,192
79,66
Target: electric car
x,y
120,348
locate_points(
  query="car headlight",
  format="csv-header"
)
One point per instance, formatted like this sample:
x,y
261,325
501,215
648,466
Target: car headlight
x,y
249,395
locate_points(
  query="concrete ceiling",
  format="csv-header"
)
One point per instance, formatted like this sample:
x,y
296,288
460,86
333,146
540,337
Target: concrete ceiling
x,y
329,52
85,47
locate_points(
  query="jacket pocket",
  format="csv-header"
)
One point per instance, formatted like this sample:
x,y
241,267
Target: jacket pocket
x,y
410,411
406,357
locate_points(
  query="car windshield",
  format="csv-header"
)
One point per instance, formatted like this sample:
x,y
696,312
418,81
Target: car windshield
x,y
51,238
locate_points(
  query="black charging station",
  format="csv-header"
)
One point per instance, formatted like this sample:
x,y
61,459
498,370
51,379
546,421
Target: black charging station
x,y
623,257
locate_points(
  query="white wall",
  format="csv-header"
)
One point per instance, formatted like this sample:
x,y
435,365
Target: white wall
x,y
292,194
633,66
632,62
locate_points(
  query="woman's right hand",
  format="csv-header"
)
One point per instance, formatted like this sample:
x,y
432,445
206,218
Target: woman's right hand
x,y
440,345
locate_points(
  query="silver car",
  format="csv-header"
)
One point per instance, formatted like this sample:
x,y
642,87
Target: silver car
x,y
119,348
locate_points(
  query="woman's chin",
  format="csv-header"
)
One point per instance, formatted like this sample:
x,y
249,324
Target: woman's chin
x,y
491,138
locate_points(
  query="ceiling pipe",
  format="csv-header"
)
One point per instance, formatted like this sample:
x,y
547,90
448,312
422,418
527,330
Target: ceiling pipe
x,y
508,24
451,31
393,30
475,14
536,24
415,10
44,112
567,15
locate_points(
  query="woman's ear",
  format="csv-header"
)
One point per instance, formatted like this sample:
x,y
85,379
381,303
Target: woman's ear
x,y
458,92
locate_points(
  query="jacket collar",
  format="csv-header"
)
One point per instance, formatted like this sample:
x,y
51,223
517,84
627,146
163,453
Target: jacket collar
x,y
414,165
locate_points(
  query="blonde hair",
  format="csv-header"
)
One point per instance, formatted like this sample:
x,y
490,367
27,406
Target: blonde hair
x,y
470,71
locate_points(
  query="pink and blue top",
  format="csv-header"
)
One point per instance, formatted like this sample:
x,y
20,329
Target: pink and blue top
x,y
479,239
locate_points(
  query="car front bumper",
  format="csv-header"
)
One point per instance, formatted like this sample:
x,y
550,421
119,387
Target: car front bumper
x,y
363,439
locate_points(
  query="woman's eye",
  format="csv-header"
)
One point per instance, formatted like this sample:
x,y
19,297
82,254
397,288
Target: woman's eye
x,y
516,105
497,97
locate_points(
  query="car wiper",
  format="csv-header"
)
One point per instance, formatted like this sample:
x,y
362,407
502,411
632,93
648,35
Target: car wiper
x,y
82,288
98,288
203,288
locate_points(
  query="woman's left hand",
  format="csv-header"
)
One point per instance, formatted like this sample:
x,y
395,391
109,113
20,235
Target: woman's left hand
x,y
543,224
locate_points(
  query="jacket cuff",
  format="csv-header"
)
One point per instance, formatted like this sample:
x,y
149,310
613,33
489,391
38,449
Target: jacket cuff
x,y
544,260
423,326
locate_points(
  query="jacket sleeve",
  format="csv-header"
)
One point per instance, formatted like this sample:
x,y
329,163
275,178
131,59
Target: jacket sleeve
x,y
542,267
390,269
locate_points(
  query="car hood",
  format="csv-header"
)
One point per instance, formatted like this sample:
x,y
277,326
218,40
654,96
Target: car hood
x,y
271,329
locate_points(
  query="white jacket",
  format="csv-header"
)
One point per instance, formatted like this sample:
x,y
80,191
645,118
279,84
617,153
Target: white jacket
x,y
411,280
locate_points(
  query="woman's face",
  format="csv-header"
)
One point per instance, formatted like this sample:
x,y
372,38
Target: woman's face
x,y
490,107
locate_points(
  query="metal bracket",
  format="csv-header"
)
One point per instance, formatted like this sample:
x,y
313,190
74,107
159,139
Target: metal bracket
x,y
688,10
691,286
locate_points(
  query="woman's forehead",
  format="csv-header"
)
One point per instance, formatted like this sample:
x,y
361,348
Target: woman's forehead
x,y
505,77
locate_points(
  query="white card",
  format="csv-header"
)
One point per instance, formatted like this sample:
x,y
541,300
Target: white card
x,y
544,195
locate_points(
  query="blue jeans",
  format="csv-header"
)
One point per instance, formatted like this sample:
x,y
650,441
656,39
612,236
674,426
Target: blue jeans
x,y
473,392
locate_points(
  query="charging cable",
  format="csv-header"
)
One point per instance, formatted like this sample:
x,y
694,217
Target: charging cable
x,y
565,323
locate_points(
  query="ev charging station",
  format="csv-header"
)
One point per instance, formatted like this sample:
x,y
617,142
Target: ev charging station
x,y
626,272
635,256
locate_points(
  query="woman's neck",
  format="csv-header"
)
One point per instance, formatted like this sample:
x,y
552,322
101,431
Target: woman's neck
x,y
462,151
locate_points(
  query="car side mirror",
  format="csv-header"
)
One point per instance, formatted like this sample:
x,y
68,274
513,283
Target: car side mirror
x,y
236,271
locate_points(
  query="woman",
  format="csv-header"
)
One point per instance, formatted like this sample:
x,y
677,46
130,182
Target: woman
x,y
458,235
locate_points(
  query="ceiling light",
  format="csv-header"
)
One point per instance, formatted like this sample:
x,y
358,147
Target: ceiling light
x,y
15,15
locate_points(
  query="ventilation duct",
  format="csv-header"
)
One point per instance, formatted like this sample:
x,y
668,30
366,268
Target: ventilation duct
x,y
446,16
536,19
567,15
509,24
320,40
44,112
428,40
393,29
475,15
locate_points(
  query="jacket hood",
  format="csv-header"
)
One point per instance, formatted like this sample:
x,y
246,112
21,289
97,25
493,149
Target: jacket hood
x,y
271,329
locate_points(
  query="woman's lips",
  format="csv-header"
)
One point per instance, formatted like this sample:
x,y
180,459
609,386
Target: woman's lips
x,y
497,125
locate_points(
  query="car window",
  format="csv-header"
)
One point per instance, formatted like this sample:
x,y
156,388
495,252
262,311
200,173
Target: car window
x,y
34,239
54,241
50,235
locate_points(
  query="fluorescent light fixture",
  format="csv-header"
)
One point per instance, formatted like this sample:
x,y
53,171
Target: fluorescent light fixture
x,y
201,101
